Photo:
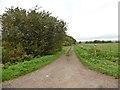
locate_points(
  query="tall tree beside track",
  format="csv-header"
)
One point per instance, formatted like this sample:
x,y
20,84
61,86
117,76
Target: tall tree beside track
x,y
26,34
69,40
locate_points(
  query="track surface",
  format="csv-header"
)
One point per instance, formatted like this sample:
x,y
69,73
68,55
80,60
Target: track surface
x,y
66,72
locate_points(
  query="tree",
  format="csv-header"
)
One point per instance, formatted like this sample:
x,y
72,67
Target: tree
x,y
27,34
69,40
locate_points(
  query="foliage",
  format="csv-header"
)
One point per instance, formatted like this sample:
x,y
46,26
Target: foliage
x,y
98,63
27,34
69,40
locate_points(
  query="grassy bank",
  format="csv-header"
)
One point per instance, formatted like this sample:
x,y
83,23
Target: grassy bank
x,y
0,53
95,62
22,68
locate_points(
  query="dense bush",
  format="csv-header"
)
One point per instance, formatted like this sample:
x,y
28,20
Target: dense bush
x,y
69,40
26,34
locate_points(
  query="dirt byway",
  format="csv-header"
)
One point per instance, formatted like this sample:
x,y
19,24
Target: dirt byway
x,y
66,72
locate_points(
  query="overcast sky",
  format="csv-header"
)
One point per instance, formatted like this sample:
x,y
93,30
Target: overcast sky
x,y
88,19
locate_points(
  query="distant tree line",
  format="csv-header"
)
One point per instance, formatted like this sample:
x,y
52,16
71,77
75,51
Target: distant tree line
x,y
100,41
27,34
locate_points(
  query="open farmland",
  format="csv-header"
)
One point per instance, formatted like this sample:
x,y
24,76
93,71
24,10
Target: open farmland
x,y
108,51
102,57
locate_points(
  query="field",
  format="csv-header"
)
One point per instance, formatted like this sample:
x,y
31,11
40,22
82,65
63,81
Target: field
x,y
102,57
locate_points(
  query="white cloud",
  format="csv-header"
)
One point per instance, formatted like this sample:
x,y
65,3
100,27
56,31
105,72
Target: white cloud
x,y
86,18
94,18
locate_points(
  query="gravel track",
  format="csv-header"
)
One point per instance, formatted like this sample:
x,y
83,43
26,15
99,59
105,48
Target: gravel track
x,y
66,72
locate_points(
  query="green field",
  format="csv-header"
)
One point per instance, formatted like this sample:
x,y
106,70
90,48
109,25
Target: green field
x,y
102,58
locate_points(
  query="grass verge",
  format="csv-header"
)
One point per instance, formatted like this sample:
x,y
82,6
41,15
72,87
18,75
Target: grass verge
x,y
22,68
69,52
103,66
